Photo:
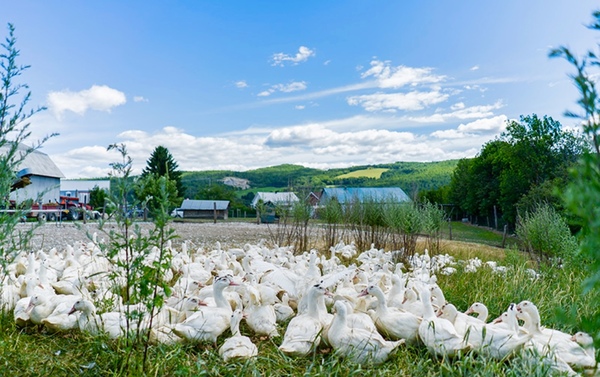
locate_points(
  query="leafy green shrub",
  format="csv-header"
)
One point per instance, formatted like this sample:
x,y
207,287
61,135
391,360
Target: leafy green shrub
x,y
545,233
433,220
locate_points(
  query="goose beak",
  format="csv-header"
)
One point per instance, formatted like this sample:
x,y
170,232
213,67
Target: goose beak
x,y
469,311
73,310
202,303
497,320
573,338
363,293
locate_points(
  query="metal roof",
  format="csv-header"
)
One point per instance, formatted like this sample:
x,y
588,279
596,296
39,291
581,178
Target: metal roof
x,y
378,194
36,162
275,198
83,184
204,205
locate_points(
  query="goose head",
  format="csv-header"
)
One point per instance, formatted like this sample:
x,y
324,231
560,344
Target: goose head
x,y
448,311
583,339
83,306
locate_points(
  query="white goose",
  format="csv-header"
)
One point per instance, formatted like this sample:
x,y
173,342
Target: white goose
x,y
60,319
260,315
480,309
237,346
211,321
112,323
586,342
552,340
393,322
438,334
411,302
358,344
283,310
304,330
494,341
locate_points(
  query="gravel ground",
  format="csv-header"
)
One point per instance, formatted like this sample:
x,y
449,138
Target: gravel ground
x,y
229,234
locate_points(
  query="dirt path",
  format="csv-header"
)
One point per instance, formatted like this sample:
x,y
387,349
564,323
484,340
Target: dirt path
x,y
230,234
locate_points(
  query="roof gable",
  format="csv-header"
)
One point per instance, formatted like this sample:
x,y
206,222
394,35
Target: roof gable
x,y
35,163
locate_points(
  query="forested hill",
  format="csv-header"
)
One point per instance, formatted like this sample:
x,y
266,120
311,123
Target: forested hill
x,y
406,175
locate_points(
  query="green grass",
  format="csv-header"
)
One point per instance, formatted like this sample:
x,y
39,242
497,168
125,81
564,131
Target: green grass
x,y
31,352
366,173
471,233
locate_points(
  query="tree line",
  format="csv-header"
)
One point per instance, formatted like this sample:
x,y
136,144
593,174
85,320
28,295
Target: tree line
x,y
528,164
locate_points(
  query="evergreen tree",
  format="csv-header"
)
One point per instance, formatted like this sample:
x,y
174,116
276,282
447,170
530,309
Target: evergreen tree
x,y
162,164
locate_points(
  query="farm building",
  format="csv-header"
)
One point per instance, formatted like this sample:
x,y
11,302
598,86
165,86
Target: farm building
x,y
204,209
273,199
361,194
81,188
38,177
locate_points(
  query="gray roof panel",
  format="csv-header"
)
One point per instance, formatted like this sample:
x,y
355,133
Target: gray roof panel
x,y
204,205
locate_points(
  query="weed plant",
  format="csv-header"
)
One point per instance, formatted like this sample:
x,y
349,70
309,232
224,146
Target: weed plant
x,y
142,261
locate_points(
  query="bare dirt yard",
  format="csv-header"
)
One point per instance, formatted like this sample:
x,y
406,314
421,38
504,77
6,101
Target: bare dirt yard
x,y
228,234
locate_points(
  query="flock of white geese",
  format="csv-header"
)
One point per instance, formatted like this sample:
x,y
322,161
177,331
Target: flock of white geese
x,y
364,311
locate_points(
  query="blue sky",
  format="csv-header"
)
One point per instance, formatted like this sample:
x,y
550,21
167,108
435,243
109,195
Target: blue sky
x,y
246,84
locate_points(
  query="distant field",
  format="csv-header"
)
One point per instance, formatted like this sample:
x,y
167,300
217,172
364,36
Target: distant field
x,y
367,173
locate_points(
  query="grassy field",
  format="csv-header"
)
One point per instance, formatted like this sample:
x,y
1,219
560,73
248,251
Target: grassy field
x,y
366,173
36,352
477,234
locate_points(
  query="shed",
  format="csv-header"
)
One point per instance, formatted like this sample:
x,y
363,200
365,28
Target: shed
x,y
361,194
205,209
38,176
275,198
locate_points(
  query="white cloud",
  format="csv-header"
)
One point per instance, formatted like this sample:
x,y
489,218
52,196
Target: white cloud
x,y
291,87
484,127
457,106
474,68
98,97
336,143
473,112
299,107
241,84
279,59
139,99
397,101
285,88
389,76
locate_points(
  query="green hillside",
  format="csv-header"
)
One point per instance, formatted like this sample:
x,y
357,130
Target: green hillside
x,y
409,176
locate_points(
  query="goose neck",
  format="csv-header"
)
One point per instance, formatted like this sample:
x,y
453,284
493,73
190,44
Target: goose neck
x,y
219,297
381,302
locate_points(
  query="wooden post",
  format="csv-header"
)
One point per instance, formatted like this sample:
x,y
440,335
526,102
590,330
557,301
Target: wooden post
x,y
450,229
215,212
504,235
495,218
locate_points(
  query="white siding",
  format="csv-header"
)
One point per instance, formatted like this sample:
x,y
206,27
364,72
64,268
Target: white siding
x,y
48,187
